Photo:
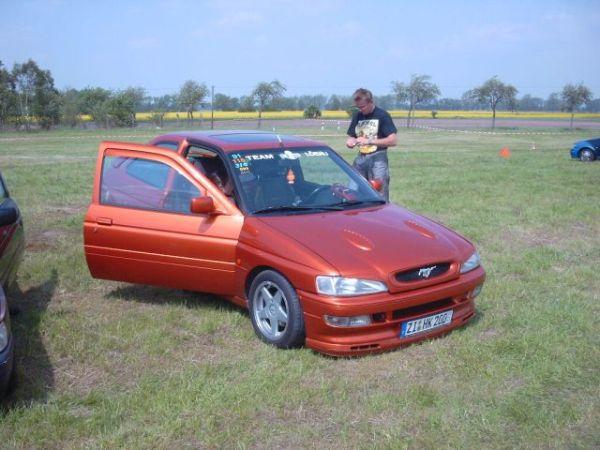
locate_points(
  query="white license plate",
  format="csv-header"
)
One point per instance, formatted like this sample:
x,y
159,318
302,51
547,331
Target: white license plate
x,y
425,323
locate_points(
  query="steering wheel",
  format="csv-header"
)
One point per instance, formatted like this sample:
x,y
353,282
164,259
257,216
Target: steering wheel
x,y
341,191
316,191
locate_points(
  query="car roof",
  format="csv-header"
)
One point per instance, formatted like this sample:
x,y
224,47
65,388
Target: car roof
x,y
237,140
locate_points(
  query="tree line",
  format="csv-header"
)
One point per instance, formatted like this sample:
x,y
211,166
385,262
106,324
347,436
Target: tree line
x,y
29,98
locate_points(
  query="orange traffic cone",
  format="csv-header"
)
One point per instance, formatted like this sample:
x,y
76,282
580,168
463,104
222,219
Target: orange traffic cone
x,y
504,152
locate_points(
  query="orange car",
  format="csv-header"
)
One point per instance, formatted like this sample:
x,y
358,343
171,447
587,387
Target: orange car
x,y
282,226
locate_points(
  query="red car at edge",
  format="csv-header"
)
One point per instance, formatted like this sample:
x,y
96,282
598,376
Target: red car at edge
x,y
283,226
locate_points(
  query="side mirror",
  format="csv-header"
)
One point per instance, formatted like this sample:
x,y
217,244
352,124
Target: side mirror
x,y
203,205
376,184
8,215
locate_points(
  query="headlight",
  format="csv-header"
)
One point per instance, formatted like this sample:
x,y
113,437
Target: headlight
x,y
3,336
471,263
340,286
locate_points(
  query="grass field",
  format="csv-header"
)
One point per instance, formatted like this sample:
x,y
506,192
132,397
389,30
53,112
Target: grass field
x,y
105,364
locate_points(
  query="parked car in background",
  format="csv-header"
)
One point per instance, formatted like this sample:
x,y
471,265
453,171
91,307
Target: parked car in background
x,y
285,227
588,150
11,251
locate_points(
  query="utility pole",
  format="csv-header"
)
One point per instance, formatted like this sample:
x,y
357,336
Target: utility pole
x,y
212,107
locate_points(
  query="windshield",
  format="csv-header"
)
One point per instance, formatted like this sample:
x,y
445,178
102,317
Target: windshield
x,y
298,180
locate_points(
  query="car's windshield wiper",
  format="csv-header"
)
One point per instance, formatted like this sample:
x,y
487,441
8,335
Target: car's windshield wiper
x,y
357,203
298,208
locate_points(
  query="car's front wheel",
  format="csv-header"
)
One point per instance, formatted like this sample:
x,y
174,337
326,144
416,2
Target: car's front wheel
x,y
275,310
586,155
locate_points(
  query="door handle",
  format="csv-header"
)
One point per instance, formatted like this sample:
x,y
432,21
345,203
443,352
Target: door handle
x,y
103,221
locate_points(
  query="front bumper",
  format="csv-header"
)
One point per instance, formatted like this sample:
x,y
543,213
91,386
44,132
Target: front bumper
x,y
390,311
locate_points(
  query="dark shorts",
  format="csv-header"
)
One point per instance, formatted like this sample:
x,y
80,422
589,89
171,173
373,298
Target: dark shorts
x,y
374,166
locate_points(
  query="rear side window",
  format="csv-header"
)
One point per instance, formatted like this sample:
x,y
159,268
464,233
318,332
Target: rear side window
x,y
145,184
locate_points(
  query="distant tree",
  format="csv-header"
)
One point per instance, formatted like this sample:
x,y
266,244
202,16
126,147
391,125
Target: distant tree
x,y
334,103
120,108
24,76
283,103
449,103
386,102
191,95
553,102
7,95
223,102
71,108
94,102
574,96
593,105
468,101
529,103
417,91
264,93
134,97
305,101
36,95
494,91
312,112
247,104
165,102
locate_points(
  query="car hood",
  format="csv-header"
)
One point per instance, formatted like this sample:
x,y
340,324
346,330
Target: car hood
x,y
373,242
594,142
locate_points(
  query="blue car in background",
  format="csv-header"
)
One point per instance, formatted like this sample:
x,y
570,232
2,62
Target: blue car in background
x,y
587,150
11,252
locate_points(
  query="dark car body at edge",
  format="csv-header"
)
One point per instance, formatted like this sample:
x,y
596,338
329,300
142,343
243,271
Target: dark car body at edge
x,y
11,252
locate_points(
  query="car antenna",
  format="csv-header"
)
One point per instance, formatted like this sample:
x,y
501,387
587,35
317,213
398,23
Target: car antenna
x,y
280,141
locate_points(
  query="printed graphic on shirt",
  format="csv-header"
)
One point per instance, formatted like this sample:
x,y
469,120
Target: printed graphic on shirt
x,y
368,129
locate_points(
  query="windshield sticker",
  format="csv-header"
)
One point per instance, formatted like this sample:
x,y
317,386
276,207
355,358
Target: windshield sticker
x,y
312,153
243,162
289,155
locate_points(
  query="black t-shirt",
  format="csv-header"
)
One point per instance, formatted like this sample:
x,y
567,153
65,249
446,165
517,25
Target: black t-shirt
x,y
378,124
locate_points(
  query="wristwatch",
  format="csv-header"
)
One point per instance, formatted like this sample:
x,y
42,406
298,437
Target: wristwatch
x,y
370,141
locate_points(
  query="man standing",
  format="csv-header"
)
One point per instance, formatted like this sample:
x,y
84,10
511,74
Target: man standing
x,y
373,130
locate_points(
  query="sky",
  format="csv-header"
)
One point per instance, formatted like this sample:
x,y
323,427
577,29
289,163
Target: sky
x,y
312,47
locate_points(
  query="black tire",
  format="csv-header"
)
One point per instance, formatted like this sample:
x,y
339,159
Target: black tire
x,y
586,155
275,310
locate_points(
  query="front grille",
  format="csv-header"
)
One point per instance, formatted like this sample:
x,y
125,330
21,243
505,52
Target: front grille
x,y
422,309
422,273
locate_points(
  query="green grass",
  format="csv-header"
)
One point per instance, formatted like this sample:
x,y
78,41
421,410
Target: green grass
x,y
104,364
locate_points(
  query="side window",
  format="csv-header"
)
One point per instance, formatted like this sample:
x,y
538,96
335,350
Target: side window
x,y
145,184
168,145
150,172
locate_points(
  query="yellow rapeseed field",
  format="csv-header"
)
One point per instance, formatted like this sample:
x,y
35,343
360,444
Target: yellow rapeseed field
x,y
341,115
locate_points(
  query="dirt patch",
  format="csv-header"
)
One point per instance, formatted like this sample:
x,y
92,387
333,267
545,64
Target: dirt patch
x,y
488,334
41,242
70,210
